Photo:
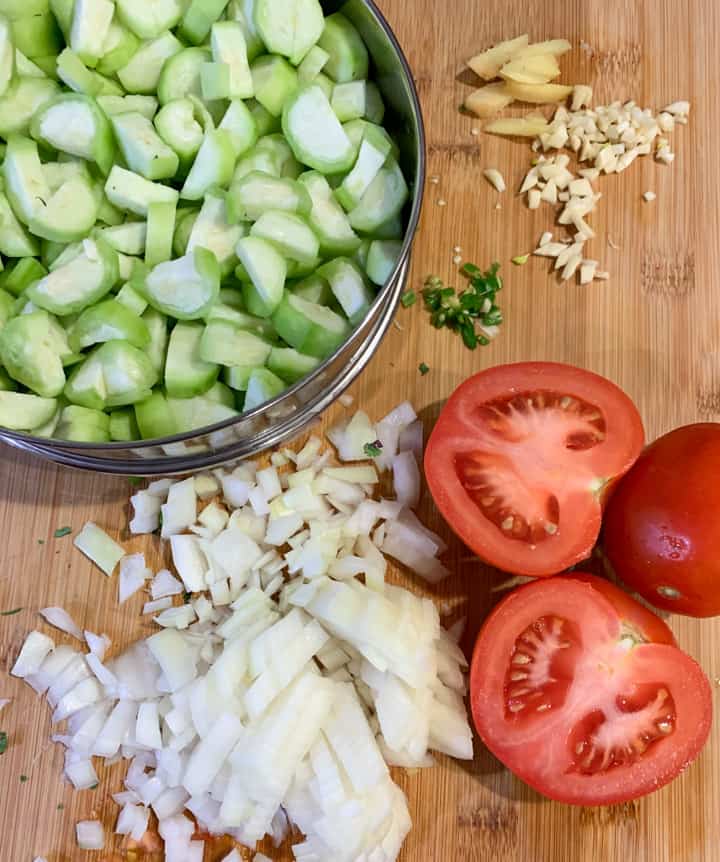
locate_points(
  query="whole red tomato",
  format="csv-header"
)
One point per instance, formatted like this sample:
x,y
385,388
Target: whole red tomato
x,y
662,523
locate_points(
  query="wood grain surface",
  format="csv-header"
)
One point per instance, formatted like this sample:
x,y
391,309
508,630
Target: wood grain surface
x,y
653,328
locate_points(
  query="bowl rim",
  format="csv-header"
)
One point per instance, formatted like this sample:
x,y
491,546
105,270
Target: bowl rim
x,y
389,293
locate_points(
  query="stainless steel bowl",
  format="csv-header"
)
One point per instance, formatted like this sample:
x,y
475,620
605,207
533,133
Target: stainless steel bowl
x,y
287,415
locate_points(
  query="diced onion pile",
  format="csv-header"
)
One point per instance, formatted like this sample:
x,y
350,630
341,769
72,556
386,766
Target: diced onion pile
x,y
280,693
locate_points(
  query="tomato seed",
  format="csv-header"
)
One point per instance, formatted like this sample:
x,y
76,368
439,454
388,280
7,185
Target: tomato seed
x,y
521,658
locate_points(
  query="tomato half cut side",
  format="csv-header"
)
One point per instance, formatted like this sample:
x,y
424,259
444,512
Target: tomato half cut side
x,y
522,457
577,703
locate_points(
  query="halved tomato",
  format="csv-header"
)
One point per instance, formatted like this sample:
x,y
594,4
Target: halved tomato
x,y
521,460
581,692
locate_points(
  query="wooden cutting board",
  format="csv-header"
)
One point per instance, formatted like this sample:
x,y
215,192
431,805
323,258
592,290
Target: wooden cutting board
x,y
653,328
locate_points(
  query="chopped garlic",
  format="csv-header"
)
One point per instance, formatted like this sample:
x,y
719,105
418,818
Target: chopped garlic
x,y
587,271
649,196
571,267
495,178
549,249
545,239
678,108
530,181
581,96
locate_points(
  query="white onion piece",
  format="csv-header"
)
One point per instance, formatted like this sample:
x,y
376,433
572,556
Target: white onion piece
x,y
351,438
133,574
189,561
104,676
214,518
269,480
157,605
160,487
90,835
147,727
80,771
210,754
127,819
97,644
116,726
457,629
62,620
4,701
280,672
170,803
75,671
174,656
180,510
412,439
95,544
40,859
234,551
206,486
234,856
259,857
406,478
235,491
146,517
179,617
32,654
355,475
165,584
51,668
85,693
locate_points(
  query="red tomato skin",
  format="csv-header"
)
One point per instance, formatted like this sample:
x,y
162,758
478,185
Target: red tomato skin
x,y
626,439
604,607
648,624
662,523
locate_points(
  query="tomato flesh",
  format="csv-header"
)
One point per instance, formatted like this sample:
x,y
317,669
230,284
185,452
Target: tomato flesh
x,y
511,473
521,457
568,694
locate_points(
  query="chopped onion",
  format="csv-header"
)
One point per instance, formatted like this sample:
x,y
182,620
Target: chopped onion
x,y
406,477
60,618
206,486
51,668
104,676
176,618
189,561
133,574
165,584
90,835
4,701
98,644
360,475
99,547
160,487
174,656
260,714
147,727
146,508
214,518
80,772
157,605
34,651
180,510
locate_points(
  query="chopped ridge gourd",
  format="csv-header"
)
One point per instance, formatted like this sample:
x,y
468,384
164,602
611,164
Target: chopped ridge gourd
x,y
191,191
